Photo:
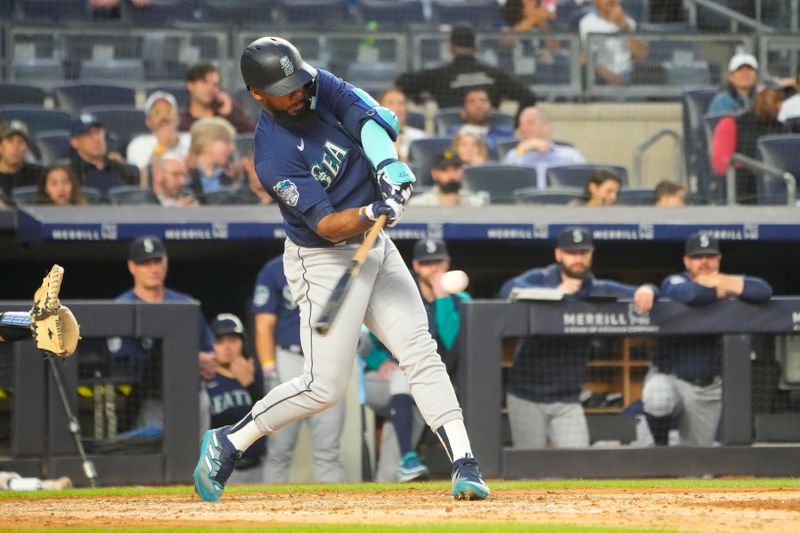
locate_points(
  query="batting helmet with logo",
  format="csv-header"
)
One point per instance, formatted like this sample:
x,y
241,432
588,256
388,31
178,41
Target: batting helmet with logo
x,y
274,65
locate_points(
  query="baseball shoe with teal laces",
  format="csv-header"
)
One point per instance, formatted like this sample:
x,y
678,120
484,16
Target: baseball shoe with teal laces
x,y
467,481
410,467
217,460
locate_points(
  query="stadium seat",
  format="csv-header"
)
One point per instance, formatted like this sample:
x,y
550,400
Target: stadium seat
x,y
36,118
39,70
448,118
92,195
780,151
25,195
238,12
392,14
18,94
482,14
631,196
53,146
313,13
374,78
230,196
74,98
694,105
577,175
122,123
551,196
107,70
500,181
131,195
416,120
52,10
423,152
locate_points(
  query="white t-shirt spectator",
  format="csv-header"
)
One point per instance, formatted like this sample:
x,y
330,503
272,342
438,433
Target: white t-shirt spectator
x,y
140,149
610,53
790,108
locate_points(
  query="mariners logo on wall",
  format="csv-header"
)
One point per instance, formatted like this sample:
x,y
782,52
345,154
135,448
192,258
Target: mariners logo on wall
x,y
287,191
287,66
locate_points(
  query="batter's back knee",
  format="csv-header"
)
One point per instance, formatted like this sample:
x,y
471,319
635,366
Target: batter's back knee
x,y
658,396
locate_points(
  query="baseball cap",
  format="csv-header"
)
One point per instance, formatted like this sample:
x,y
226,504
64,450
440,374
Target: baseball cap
x,y
575,239
159,95
462,36
701,244
146,247
430,250
447,158
83,123
227,324
15,127
740,60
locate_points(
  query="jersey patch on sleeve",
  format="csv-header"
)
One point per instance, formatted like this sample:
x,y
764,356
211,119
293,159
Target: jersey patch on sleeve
x,y
676,280
287,191
260,295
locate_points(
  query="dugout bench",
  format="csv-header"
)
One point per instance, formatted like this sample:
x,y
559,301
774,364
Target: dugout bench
x,y
485,323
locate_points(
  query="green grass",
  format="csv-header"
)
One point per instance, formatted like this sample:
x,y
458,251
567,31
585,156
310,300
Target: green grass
x,y
743,483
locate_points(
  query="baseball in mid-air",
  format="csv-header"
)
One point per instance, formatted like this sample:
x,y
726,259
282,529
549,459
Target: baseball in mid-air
x,y
454,281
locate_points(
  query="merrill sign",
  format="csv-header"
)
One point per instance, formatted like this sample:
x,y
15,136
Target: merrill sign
x,y
603,322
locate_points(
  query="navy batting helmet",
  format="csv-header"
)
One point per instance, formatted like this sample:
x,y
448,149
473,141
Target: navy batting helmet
x,y
274,65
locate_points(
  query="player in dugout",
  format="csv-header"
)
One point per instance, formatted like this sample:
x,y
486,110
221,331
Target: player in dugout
x,y
324,151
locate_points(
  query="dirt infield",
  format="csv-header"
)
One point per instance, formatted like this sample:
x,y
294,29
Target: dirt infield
x,y
730,510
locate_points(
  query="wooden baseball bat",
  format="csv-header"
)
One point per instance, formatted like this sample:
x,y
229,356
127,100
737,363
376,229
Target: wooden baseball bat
x,y
331,309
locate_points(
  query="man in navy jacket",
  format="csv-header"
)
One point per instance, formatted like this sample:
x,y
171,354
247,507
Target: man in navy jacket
x,y
685,379
548,373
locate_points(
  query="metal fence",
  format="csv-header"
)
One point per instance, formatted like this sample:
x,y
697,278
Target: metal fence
x,y
553,64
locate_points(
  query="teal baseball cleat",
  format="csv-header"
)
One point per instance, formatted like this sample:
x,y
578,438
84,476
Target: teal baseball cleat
x,y
467,481
217,460
410,467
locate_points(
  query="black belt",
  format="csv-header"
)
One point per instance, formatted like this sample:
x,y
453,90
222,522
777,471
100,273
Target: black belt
x,y
358,239
295,349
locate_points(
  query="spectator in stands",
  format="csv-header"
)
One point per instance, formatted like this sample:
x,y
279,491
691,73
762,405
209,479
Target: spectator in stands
x,y
448,173
742,80
601,189
206,99
211,150
91,162
169,182
471,148
162,120
790,108
60,186
140,358
233,390
277,324
613,57
739,134
536,147
476,112
684,380
394,99
110,9
527,15
548,372
448,84
670,194
15,171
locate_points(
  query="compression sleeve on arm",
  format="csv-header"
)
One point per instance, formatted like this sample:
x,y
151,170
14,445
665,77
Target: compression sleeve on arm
x,y
448,319
377,144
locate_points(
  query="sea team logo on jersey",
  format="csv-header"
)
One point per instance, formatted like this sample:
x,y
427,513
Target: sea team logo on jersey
x,y
326,171
287,191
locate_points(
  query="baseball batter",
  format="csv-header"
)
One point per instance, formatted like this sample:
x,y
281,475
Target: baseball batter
x,y
324,150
